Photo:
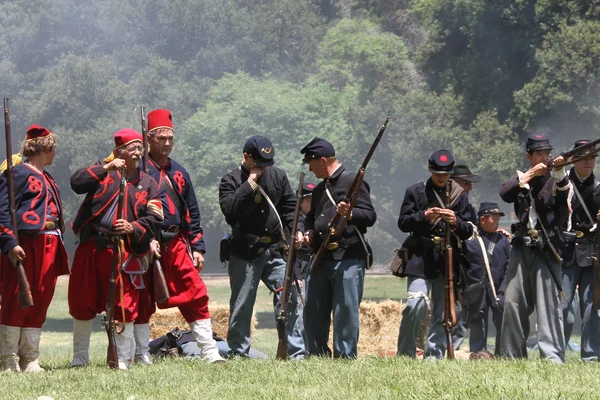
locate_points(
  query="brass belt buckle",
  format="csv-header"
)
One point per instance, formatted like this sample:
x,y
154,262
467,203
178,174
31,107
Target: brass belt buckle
x,y
50,225
437,240
532,233
265,239
333,246
579,234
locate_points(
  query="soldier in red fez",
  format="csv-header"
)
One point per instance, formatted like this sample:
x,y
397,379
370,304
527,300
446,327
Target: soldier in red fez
x,y
40,248
181,245
95,224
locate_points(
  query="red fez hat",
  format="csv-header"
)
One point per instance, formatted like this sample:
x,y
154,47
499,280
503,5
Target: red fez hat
x,y
160,118
37,132
126,136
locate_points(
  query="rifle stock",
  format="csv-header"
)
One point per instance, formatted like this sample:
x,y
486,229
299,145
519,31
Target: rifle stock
x,y
338,222
25,297
449,302
109,322
287,281
161,289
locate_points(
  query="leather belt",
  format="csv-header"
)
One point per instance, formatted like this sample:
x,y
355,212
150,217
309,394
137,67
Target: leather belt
x,y
42,232
253,239
342,244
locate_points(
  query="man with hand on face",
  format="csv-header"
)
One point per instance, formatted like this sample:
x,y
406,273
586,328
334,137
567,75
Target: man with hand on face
x,y
180,244
579,251
534,271
259,204
337,283
96,225
424,215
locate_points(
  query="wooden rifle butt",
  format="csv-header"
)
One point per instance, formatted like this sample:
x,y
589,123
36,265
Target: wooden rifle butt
x,y
161,290
25,298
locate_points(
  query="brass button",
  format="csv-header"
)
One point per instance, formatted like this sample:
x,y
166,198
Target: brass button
x,y
266,229
262,211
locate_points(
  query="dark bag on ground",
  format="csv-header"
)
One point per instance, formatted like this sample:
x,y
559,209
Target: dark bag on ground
x,y
473,300
224,248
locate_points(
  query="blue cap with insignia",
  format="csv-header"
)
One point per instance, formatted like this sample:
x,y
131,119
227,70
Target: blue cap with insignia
x,y
537,141
441,162
261,149
488,207
316,149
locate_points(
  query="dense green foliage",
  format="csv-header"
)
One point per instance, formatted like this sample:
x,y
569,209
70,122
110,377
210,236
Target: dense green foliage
x,y
468,75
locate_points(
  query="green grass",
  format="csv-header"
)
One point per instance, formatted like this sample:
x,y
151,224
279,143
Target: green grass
x,y
368,377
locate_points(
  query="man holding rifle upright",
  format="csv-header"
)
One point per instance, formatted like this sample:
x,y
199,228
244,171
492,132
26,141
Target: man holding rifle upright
x,y
337,283
533,276
181,246
579,251
97,228
424,215
39,246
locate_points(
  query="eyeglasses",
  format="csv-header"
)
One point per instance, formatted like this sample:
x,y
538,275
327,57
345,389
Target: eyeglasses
x,y
132,148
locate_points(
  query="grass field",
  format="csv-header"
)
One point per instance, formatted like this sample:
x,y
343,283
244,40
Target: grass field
x,y
367,377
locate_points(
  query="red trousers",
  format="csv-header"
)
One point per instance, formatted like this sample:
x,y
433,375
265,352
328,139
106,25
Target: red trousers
x,y
88,285
187,289
44,261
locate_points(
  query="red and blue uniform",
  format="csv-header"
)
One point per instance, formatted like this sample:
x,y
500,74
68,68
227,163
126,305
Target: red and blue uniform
x,y
88,286
40,224
181,234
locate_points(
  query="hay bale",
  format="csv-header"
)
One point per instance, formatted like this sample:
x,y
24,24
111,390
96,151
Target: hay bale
x,y
166,320
379,325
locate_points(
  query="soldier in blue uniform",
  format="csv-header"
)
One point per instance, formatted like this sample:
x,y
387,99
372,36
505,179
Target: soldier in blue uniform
x,y
258,203
485,294
424,216
337,283
465,178
533,277
578,270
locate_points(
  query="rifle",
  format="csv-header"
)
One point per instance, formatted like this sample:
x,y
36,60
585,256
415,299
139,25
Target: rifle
x,y
449,320
109,323
596,301
287,280
161,290
586,150
338,222
25,298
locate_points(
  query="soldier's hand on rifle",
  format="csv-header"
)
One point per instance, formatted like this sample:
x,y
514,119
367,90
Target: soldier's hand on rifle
x,y
16,254
308,239
115,164
449,216
343,209
122,227
431,214
155,248
299,240
558,161
198,260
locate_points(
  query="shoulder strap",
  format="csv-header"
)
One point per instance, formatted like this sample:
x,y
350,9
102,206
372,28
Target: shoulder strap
x,y
584,206
486,261
261,190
